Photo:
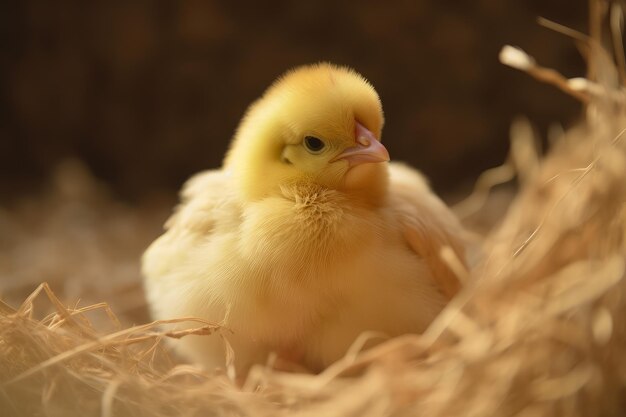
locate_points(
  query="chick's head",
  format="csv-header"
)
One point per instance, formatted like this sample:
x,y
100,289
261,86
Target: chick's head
x,y
319,125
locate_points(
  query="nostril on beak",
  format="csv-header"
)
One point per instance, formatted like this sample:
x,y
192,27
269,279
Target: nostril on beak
x,y
363,141
363,136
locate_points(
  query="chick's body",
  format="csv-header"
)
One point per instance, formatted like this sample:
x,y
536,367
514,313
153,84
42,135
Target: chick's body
x,y
299,250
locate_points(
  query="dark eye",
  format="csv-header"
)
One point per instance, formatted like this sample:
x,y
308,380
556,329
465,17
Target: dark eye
x,y
313,144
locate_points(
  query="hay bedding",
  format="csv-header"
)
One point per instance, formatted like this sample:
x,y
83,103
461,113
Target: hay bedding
x,y
537,331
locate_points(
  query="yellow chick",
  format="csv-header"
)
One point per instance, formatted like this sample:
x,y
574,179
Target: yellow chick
x,y
307,237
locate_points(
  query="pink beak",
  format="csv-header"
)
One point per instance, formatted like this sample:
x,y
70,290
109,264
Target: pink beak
x,y
368,149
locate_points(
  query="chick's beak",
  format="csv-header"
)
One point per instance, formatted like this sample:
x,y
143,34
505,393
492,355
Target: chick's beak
x,y
368,149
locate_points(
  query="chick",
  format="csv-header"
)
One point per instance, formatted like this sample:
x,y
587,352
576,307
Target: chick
x,y
307,236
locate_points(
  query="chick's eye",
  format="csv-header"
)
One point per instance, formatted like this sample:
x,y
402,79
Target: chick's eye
x,y
313,144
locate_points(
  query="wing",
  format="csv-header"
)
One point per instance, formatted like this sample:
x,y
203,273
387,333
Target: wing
x,y
206,200
207,206
428,224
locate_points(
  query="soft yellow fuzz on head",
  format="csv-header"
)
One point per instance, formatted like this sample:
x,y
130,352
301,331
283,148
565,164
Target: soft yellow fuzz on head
x,y
322,100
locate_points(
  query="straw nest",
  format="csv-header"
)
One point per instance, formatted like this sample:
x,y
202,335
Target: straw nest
x,y
537,331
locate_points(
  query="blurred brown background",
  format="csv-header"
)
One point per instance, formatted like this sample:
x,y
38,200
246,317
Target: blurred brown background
x,y
148,92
